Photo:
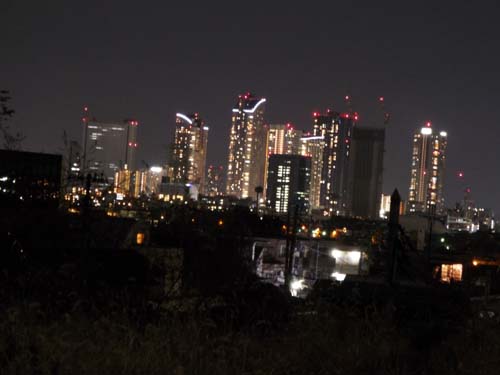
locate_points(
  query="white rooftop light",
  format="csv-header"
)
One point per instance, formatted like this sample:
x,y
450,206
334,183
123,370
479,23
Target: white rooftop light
x,y
426,131
185,118
256,106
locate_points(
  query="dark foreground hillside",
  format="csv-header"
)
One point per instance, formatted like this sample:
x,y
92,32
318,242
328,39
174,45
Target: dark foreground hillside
x,y
116,331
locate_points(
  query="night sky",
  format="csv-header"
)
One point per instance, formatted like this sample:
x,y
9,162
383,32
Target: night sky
x,y
432,61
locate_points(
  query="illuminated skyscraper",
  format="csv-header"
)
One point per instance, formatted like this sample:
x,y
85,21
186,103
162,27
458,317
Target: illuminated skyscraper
x,y
427,170
189,150
313,146
288,183
215,181
336,128
282,139
247,147
108,146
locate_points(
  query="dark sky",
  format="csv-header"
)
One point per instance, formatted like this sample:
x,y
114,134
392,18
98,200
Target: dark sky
x,y
437,61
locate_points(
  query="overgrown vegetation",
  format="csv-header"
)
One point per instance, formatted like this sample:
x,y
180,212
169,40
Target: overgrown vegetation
x,y
106,311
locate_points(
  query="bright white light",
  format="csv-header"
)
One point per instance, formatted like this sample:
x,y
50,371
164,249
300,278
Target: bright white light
x,y
354,256
296,286
119,196
3,179
205,128
339,276
426,131
263,100
336,253
185,118
312,138
156,169
443,134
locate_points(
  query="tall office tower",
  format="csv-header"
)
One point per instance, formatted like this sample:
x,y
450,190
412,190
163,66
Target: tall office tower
x,y
366,175
336,128
246,167
288,183
215,181
108,146
313,146
189,150
427,170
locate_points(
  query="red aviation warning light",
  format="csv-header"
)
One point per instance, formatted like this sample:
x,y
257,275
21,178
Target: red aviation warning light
x,y
381,99
460,174
428,124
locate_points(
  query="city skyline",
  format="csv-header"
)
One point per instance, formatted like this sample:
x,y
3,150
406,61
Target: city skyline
x,y
410,56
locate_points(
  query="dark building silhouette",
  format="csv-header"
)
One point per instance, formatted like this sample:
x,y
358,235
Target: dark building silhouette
x,y
29,177
366,171
288,182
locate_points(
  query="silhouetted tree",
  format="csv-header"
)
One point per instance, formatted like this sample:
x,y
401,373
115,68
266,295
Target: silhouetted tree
x,y
11,141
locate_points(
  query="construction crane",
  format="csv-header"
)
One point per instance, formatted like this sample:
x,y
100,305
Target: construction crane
x,y
387,115
348,103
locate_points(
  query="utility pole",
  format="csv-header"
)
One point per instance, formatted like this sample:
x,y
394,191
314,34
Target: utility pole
x,y
428,252
290,243
393,234
287,245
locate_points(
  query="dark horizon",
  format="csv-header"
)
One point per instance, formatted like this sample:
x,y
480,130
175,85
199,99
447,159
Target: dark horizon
x,y
435,63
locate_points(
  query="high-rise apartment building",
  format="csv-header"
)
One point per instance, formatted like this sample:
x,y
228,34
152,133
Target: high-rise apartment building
x,y
108,146
313,146
336,128
366,175
283,139
427,170
288,183
215,181
189,150
246,168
